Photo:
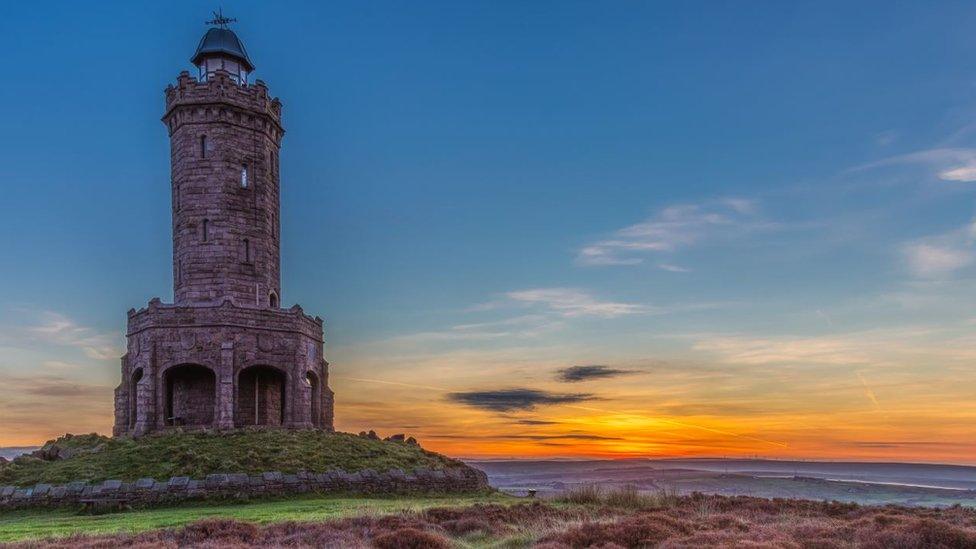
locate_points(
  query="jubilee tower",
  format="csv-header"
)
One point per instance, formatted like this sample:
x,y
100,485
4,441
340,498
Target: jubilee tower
x,y
224,353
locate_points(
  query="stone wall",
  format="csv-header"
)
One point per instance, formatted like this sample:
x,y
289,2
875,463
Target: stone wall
x,y
228,341
225,225
149,492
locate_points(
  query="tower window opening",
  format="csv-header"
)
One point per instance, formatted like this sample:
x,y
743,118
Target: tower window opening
x,y
273,300
247,251
203,146
206,229
244,176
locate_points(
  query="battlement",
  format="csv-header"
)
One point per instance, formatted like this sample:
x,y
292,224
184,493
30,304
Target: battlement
x,y
219,98
158,314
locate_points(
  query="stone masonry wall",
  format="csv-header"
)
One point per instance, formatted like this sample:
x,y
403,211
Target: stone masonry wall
x,y
225,233
149,492
230,342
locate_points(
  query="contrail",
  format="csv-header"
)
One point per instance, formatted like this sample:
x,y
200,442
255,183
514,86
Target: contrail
x,y
868,392
664,420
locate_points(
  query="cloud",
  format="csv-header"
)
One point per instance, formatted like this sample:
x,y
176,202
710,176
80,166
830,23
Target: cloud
x,y
964,173
941,255
509,400
671,229
934,261
503,436
586,373
52,386
60,330
536,422
573,302
672,268
948,164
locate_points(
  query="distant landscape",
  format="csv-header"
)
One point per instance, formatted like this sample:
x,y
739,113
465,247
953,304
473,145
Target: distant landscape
x,y
864,483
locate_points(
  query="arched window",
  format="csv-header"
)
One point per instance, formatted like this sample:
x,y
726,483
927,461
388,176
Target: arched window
x,y
206,229
247,251
273,300
203,146
244,176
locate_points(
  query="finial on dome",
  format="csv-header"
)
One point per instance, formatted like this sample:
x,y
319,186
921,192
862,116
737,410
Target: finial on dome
x,y
219,20
221,49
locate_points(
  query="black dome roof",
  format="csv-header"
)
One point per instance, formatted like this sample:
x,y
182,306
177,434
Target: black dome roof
x,y
222,41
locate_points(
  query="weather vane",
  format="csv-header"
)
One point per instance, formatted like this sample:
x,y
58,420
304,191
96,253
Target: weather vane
x,y
219,20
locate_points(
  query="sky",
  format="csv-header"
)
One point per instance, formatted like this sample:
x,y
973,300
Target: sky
x,y
534,229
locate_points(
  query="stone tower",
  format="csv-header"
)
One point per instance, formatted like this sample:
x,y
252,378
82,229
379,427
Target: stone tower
x,y
224,354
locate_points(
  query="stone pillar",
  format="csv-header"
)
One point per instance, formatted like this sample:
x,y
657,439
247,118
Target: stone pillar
x,y
144,401
301,403
225,387
121,407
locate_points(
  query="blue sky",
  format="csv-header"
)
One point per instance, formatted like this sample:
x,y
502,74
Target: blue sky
x,y
486,192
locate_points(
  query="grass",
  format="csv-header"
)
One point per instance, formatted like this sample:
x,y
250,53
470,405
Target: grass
x,y
197,454
37,524
624,497
502,522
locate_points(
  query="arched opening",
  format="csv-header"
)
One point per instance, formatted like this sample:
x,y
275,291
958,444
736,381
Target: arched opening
x,y
260,396
206,230
314,398
203,146
190,395
134,396
273,300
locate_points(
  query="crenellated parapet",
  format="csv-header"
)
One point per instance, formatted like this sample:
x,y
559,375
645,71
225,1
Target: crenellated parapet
x,y
158,314
220,99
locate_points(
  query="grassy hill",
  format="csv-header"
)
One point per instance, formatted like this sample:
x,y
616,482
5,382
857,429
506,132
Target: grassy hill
x,y
96,458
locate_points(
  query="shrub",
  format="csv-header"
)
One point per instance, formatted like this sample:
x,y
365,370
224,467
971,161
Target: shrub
x,y
411,538
584,494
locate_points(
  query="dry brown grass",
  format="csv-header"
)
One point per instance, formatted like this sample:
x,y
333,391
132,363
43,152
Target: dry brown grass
x,y
621,520
624,497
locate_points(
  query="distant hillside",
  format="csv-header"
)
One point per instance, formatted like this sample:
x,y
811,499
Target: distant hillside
x,y
10,452
95,458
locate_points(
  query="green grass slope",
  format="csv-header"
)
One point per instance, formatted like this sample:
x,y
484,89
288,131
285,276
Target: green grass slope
x,y
40,523
96,458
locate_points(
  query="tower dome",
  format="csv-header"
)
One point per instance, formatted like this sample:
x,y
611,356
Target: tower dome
x,y
219,49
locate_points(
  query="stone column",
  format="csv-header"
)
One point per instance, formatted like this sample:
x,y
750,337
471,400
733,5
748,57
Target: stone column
x,y
225,387
144,401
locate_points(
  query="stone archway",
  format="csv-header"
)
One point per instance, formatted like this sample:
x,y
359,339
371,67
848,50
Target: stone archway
x,y
314,399
261,394
190,395
134,396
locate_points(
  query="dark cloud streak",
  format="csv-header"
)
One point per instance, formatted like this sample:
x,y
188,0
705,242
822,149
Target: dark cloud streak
x,y
574,374
510,400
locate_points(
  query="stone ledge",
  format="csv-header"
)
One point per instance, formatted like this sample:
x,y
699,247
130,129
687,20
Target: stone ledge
x,y
147,492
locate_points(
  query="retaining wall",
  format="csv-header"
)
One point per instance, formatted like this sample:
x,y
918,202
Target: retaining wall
x,y
149,492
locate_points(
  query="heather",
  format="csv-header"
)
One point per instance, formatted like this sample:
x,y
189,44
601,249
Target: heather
x,y
606,521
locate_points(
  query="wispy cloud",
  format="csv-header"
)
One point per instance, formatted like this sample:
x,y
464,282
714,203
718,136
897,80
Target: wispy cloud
x,y
586,373
510,400
671,229
58,329
673,268
941,255
573,302
948,164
